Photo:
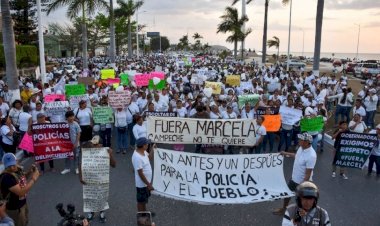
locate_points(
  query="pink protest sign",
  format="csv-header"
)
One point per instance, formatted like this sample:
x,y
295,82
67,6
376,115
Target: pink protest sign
x,y
53,97
27,143
160,75
142,79
111,81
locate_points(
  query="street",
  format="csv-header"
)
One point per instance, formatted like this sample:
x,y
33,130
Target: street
x,y
351,202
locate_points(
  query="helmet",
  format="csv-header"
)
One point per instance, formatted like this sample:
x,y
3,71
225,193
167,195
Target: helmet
x,y
307,189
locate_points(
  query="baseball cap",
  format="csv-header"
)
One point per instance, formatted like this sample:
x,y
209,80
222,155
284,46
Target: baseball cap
x,y
9,159
142,141
95,139
305,136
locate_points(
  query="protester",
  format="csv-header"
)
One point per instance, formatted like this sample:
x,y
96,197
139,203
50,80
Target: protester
x,y
95,143
343,128
75,133
15,186
143,172
304,162
41,119
7,135
305,211
15,112
357,125
121,130
374,158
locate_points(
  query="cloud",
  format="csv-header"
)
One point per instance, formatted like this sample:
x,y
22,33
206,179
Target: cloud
x,y
373,24
352,4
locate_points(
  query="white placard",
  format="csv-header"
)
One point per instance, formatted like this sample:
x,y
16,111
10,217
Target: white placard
x,y
241,132
56,108
74,100
290,116
95,165
95,197
219,179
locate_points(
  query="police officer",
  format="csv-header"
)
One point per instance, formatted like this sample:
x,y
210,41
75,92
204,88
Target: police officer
x,y
306,212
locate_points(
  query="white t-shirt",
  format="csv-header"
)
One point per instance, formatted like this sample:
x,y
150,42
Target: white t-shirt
x,y
225,115
361,111
214,116
248,115
305,159
160,105
359,128
141,162
84,116
139,131
4,131
371,105
182,112
131,110
121,118
4,107
260,131
24,121
35,113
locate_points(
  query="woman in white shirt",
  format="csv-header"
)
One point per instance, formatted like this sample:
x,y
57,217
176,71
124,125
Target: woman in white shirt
x,y
229,114
370,102
139,129
7,131
85,120
357,125
261,132
121,130
181,113
15,112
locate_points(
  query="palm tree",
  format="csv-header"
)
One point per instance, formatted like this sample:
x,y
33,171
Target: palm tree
x,y
243,5
184,42
276,43
74,8
232,23
9,51
265,29
197,37
318,35
127,9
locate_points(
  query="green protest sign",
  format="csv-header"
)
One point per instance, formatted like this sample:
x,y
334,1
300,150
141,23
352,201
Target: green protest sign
x,y
124,80
252,99
72,90
312,124
160,86
103,115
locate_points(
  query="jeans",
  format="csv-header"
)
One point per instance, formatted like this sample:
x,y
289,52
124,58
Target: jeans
x,y
106,137
51,164
296,131
370,119
269,138
261,147
285,137
132,138
122,140
374,159
68,162
340,110
314,144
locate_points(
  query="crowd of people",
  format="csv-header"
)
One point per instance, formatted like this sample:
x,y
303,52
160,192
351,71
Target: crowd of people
x,y
326,95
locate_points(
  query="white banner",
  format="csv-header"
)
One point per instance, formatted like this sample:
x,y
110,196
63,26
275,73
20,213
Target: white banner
x,y
95,173
290,116
119,99
219,179
240,132
56,108
74,100
95,165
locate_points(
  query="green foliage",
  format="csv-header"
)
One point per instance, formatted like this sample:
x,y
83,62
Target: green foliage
x,y
25,56
155,43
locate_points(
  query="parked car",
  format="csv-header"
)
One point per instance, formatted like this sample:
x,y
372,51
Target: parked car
x,y
364,70
351,68
325,59
294,63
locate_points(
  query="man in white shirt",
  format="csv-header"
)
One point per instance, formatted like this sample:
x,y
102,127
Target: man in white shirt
x,y
370,102
132,110
374,158
304,162
359,109
159,105
4,108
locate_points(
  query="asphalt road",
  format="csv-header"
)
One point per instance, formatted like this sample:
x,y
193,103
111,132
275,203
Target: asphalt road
x,y
352,202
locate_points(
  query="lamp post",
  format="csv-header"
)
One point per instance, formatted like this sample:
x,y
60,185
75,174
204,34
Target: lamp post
x,y
357,45
41,43
290,28
303,41
137,32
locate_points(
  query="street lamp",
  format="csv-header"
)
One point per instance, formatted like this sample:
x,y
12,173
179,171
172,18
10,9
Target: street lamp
x,y
303,41
41,43
137,32
357,46
290,27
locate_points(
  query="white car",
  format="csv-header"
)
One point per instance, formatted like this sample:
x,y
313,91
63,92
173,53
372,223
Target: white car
x,y
294,63
366,68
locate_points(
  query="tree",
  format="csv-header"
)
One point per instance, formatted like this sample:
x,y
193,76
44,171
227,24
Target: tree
x,y
155,43
25,21
127,10
265,29
243,13
231,23
183,43
98,31
197,45
318,36
9,50
276,43
74,8
67,35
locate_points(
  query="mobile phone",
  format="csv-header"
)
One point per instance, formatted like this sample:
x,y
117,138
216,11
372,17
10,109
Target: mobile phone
x,y
144,218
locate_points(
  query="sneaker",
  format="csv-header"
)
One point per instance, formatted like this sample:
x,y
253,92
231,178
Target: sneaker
x,y
76,171
90,216
102,217
65,171
344,176
279,211
333,174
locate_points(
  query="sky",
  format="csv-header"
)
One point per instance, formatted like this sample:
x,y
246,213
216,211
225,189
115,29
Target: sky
x,y
175,18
